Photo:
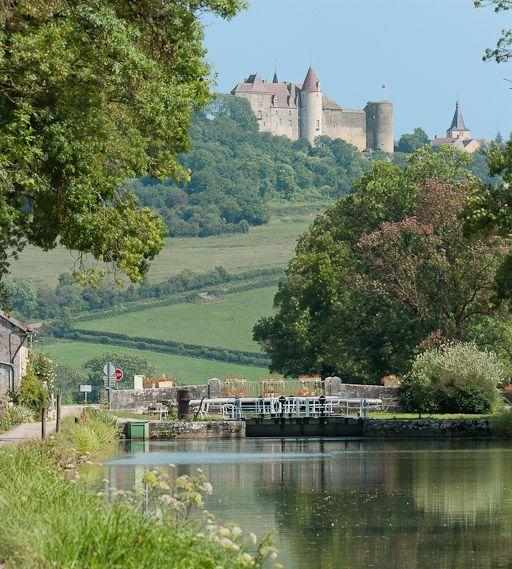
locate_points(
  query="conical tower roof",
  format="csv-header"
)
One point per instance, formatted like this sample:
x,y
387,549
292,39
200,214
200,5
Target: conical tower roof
x,y
311,83
275,79
458,121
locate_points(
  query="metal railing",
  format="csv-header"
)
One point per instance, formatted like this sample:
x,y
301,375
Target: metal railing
x,y
238,408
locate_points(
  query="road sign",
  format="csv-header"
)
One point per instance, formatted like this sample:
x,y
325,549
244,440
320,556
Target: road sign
x,y
109,369
119,374
85,389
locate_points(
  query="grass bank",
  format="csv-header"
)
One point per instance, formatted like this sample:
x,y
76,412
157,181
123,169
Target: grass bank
x,y
189,370
50,522
226,323
267,246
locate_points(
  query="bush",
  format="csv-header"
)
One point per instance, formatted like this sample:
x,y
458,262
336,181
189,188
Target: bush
x,y
12,416
453,378
501,423
32,393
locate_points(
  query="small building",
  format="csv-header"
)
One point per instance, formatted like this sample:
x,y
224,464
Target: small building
x,y
458,135
15,340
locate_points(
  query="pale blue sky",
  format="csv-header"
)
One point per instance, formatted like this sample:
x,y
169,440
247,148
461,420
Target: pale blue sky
x,y
425,51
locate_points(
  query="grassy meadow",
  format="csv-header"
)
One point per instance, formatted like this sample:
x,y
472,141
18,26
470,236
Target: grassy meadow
x,y
223,323
267,246
190,371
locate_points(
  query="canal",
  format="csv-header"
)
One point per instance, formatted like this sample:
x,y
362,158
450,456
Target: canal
x,y
349,503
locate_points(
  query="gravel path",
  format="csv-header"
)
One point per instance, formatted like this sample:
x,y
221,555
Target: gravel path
x,y
30,431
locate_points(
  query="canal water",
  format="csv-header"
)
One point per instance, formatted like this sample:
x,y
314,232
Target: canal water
x,y
349,503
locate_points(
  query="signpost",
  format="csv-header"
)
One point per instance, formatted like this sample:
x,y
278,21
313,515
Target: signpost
x,y
85,389
119,374
109,377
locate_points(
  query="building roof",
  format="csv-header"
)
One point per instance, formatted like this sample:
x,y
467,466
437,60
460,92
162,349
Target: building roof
x,y
254,84
330,104
458,121
15,322
311,82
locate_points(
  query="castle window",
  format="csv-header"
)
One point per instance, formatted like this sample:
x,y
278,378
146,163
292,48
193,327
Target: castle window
x,y
260,116
290,112
317,125
290,124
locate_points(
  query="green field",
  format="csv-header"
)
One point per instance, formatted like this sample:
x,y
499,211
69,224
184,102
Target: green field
x,y
263,247
190,371
225,323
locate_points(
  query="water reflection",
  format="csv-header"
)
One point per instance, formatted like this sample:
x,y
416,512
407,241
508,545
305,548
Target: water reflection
x,y
351,504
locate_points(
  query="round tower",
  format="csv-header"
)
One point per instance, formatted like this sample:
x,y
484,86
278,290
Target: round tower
x,y
379,126
311,107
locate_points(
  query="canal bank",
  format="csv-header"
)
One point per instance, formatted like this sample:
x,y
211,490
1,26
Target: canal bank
x,y
480,428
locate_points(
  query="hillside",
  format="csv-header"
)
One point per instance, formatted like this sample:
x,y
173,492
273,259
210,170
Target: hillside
x,y
237,172
177,332
267,246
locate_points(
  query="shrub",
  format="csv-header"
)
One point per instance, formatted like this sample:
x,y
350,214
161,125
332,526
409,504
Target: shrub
x,y
501,423
453,378
20,414
32,393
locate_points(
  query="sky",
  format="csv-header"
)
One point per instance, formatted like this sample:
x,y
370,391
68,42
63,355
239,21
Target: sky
x,y
426,52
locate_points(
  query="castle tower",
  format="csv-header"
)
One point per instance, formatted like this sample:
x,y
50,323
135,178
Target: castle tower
x,y
311,107
379,126
458,128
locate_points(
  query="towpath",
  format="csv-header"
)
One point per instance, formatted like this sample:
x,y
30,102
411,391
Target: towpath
x,y
31,431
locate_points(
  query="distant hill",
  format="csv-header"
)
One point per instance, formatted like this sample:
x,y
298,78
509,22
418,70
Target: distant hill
x,y
236,171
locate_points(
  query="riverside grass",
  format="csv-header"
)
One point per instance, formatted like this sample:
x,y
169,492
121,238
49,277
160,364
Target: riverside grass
x,y
51,522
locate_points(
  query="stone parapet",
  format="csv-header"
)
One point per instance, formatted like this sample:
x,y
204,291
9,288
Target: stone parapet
x,y
140,399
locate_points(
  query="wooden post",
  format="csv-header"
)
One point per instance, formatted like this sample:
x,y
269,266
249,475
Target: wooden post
x,y
183,397
57,426
43,421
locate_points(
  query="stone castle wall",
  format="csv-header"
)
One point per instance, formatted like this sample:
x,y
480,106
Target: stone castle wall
x,y
346,124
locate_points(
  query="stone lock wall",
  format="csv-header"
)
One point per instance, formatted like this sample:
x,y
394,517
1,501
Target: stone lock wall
x,y
427,428
168,430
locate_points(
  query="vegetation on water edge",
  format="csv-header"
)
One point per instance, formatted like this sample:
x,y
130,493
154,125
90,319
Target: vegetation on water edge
x,y
386,415
50,520
453,378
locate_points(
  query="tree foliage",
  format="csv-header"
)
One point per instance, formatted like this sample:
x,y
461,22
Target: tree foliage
x,y
414,141
383,269
93,92
131,364
235,171
503,50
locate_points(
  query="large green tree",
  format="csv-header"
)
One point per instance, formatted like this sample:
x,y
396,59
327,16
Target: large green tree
x,y
411,142
383,269
93,92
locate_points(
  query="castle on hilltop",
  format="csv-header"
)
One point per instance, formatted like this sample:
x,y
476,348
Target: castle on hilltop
x,y
303,111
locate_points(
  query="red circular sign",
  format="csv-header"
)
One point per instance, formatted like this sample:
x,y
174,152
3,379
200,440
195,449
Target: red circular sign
x,y
119,374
